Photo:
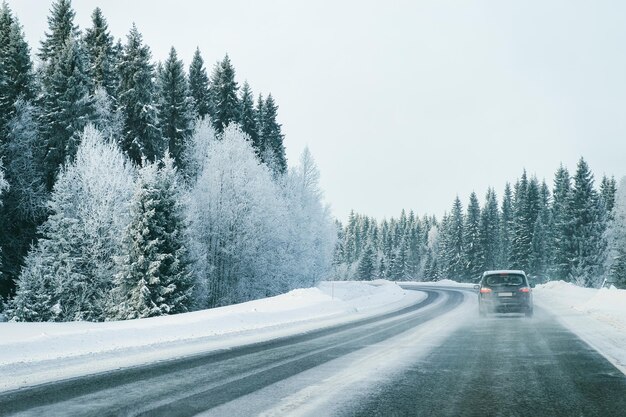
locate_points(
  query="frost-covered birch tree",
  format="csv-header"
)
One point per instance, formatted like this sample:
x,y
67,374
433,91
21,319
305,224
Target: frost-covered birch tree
x,y
196,150
312,230
252,236
238,224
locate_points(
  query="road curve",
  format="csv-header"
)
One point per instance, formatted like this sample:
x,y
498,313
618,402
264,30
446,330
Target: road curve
x,y
188,386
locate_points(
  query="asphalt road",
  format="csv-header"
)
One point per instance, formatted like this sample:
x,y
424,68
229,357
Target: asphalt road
x,y
188,386
503,366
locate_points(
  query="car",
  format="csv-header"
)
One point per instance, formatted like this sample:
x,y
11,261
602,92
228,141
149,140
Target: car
x,y
506,291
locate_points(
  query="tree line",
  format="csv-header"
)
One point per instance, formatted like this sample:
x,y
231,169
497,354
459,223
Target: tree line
x,y
130,188
570,231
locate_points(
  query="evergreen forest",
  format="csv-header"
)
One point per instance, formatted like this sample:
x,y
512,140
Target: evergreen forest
x,y
131,188
571,230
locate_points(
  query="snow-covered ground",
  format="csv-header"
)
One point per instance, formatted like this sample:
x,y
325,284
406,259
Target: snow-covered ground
x,y
442,283
33,353
596,316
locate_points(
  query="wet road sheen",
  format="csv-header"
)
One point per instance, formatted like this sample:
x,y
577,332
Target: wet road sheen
x,y
504,366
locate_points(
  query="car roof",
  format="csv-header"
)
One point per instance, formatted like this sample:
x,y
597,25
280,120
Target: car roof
x,y
504,271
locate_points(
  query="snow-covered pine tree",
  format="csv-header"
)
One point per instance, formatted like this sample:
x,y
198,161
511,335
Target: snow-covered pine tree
x,y
16,76
362,234
65,85
259,115
339,252
118,50
66,107
373,235
199,85
615,235
34,299
506,228
401,228
474,255
606,202
542,243
223,95
365,269
561,264
416,249
453,248
490,234
68,274
350,245
24,203
520,241
385,249
540,246
431,264
608,188
526,208
399,261
154,277
587,227
61,28
101,55
16,85
533,204
136,94
444,243
247,116
175,108
271,136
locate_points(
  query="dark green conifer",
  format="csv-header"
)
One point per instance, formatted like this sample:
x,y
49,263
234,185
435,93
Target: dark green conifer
x,y
101,55
174,106
223,95
136,94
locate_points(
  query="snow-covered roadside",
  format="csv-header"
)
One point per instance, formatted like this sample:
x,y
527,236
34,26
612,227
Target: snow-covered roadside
x,y
32,353
596,316
442,283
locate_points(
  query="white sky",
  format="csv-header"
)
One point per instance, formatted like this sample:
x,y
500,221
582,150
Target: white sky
x,y
405,104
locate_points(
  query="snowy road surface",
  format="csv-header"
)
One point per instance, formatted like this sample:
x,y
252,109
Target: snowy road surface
x,y
504,366
432,358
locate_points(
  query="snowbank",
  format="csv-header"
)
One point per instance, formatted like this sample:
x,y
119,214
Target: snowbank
x,y
70,349
597,316
443,283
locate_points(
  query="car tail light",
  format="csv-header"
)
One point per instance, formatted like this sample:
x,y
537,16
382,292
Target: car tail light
x,y
524,289
485,290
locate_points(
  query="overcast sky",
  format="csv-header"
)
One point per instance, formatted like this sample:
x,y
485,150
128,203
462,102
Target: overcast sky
x,y
406,104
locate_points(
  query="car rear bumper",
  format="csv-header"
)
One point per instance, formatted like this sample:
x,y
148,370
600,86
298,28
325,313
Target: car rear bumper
x,y
507,307
517,304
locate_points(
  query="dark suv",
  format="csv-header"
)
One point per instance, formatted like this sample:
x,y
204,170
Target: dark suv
x,y
504,292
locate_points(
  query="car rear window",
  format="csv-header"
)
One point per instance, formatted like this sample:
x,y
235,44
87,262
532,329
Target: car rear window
x,y
504,279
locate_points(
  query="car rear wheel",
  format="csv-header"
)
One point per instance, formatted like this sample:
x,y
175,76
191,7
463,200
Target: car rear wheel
x,y
529,312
